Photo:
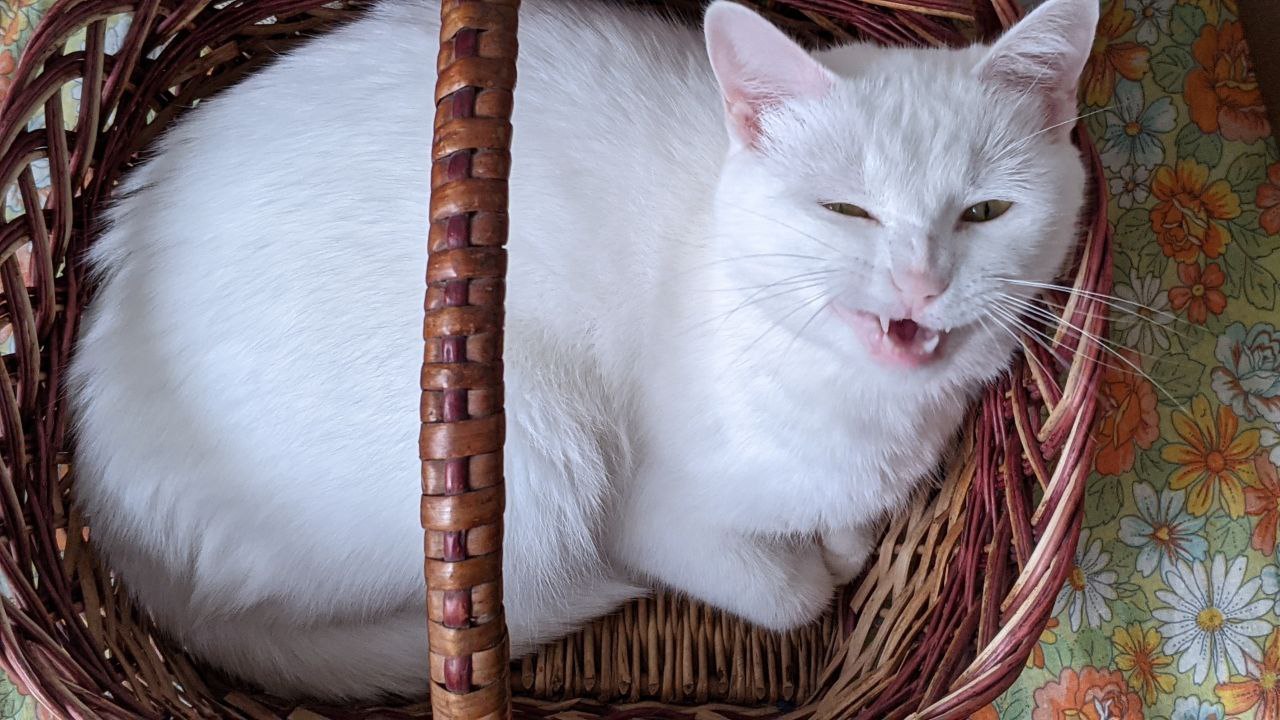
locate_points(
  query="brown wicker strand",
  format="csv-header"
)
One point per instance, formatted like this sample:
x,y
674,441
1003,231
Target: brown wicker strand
x,y
462,410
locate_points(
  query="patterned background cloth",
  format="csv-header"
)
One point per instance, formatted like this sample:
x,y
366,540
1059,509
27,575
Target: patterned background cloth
x,y
1172,610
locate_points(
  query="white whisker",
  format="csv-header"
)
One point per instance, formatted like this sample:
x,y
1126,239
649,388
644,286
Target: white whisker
x,y
1019,144
751,256
1125,315
782,224
1069,327
789,280
1132,367
778,324
1109,300
806,324
1026,353
755,299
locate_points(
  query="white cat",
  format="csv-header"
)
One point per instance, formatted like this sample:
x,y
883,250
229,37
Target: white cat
x,y
749,302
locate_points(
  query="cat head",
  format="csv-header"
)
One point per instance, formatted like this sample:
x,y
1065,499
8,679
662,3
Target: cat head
x,y
899,204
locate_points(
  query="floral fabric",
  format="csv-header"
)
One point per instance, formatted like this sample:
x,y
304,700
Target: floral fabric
x,y
1172,609
18,18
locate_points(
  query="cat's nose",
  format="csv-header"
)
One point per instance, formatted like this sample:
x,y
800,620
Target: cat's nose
x,y
917,289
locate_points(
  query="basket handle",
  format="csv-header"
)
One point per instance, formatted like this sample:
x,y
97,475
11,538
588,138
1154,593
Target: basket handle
x,y
462,394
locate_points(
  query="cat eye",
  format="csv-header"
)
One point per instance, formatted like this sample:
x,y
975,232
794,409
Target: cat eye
x,y
847,209
985,210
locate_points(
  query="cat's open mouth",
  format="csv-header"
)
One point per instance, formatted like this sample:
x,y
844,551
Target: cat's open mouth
x,y
902,342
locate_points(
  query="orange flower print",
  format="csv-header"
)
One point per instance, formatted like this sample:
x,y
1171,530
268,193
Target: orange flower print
x,y
1200,292
1267,199
1188,218
1089,694
1047,637
12,27
1213,9
1215,459
1110,58
986,713
1259,691
1222,93
1263,501
1138,656
1130,420
7,66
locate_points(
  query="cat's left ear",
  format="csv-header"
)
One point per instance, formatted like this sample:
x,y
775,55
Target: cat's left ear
x,y
758,67
1043,55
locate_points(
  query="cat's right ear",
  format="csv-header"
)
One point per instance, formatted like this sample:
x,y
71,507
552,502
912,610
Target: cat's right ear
x,y
1043,55
758,68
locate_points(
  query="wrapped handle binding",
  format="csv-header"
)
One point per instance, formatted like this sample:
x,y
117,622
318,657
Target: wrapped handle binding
x,y
462,394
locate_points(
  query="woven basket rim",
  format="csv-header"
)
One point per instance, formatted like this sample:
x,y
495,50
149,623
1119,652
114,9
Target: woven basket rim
x,y
1032,431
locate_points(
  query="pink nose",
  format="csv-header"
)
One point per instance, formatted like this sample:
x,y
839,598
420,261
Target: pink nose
x,y
917,289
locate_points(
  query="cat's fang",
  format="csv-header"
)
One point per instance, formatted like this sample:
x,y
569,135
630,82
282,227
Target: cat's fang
x,y
898,343
930,343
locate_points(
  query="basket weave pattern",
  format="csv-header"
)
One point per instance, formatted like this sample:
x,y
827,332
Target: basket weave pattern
x,y
941,622
462,418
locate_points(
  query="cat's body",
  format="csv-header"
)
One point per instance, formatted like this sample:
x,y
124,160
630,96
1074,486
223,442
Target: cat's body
x,y
246,383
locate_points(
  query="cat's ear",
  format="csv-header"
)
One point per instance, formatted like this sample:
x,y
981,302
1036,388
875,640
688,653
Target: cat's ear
x,y
1043,55
758,68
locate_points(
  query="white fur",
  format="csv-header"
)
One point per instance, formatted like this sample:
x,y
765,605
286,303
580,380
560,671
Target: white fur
x,y
246,383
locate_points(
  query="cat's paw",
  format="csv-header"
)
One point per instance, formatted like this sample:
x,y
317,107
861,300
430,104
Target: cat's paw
x,y
845,551
793,597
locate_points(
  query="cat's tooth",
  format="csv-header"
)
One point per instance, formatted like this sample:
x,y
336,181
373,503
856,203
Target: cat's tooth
x,y
930,344
884,324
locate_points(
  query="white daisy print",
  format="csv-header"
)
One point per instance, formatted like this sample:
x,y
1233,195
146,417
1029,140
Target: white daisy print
x,y
1151,18
1162,532
1132,135
1270,439
1213,618
1144,314
1089,586
1132,187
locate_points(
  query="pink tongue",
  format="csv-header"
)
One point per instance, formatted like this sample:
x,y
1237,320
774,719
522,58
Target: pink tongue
x,y
903,331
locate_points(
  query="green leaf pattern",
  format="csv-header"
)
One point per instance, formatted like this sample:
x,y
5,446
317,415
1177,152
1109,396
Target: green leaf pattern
x,y
1171,609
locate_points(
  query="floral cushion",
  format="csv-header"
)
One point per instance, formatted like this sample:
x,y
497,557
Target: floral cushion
x,y
1173,607
1172,610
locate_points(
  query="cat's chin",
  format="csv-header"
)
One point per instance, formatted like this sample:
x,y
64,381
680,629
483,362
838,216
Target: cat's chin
x,y
901,343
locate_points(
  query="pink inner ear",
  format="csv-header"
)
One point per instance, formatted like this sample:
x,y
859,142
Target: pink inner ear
x,y
1056,94
1043,55
743,120
758,68
1056,105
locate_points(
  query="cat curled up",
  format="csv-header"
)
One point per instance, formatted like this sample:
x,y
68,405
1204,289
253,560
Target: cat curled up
x,y
750,298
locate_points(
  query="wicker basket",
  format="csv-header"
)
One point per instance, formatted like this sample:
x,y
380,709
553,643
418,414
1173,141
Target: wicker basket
x,y
941,622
